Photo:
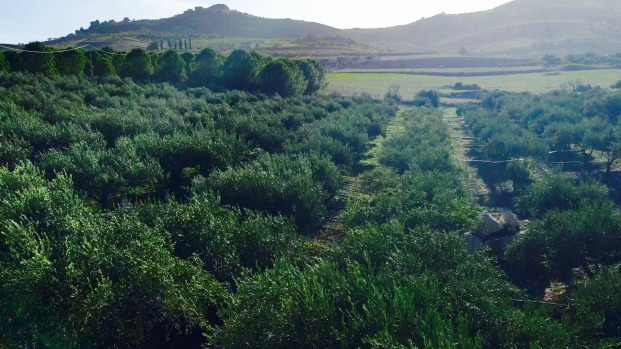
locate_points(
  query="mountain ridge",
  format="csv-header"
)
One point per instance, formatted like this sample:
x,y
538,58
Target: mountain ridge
x,y
519,27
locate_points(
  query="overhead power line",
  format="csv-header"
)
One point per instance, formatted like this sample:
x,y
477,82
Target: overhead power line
x,y
91,47
494,162
531,160
106,52
59,51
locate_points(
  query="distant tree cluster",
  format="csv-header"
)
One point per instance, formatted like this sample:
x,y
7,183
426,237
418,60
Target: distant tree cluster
x,y
583,58
335,41
240,70
426,98
177,45
459,86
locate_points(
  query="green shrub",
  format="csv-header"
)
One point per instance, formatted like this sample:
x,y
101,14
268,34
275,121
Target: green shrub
x,y
385,286
278,185
556,192
106,175
582,237
431,95
70,277
596,306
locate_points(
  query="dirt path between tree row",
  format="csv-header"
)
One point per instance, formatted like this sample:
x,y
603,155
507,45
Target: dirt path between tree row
x,y
333,227
462,145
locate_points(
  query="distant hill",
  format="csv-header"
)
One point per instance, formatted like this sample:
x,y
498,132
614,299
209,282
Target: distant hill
x,y
521,27
217,21
220,20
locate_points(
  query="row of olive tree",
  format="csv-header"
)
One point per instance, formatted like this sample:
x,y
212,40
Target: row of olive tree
x,y
401,278
240,70
130,212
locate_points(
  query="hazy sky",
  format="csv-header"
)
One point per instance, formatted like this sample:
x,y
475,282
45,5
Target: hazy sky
x,y
30,20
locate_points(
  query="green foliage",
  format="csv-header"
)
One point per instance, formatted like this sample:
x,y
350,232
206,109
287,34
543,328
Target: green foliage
x,y
277,185
104,68
314,74
225,240
188,59
202,150
283,78
596,305
459,86
502,139
344,135
71,62
431,199
72,277
556,192
241,70
170,67
583,237
425,145
552,60
37,63
385,287
4,64
431,95
101,64
13,150
393,94
106,175
563,126
421,185
207,69
151,216
137,65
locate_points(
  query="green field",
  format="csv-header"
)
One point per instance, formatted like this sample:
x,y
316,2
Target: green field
x,y
377,84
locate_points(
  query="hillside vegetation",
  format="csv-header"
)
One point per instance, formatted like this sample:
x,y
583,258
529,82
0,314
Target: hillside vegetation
x,y
240,70
520,27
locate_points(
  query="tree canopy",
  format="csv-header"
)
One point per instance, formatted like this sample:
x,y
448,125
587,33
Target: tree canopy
x,y
207,69
42,63
4,64
138,65
282,77
241,70
170,67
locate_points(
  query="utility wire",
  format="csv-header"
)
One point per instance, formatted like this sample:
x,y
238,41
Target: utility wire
x,y
531,160
67,50
493,162
60,51
106,52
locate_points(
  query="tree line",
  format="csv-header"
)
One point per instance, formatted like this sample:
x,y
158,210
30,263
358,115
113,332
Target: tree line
x,y
240,70
175,44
